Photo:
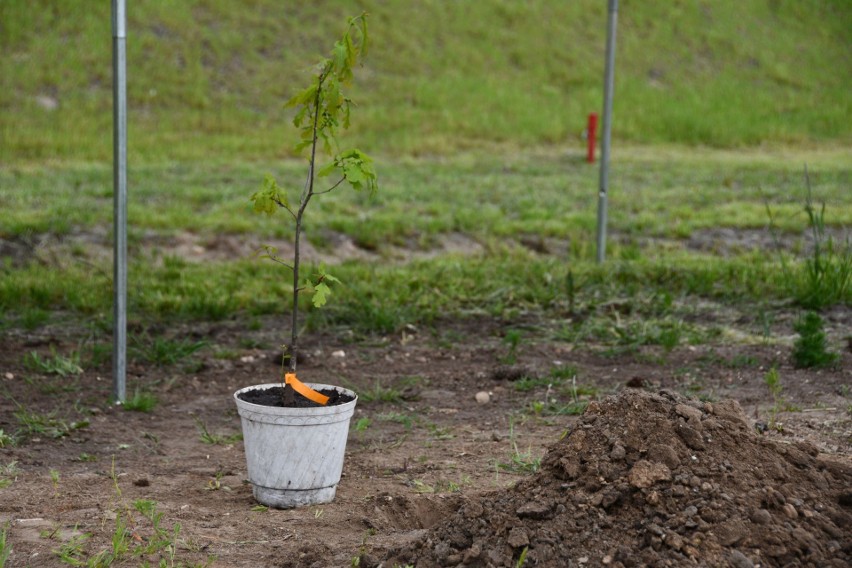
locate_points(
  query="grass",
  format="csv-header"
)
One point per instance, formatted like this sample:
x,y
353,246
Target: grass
x,y
379,393
215,439
825,276
140,402
55,364
138,533
519,462
5,547
8,474
35,423
162,351
441,78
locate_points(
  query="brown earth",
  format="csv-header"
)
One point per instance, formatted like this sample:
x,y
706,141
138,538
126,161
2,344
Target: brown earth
x,y
433,477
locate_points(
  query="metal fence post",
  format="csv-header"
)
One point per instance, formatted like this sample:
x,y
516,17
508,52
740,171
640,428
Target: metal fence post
x,y
606,127
119,93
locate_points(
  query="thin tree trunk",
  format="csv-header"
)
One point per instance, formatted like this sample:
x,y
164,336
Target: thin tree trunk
x,y
289,394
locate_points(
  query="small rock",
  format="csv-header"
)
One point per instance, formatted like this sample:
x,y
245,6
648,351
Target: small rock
x,y
760,517
518,537
472,554
653,498
618,452
645,474
740,560
664,454
534,510
483,397
675,541
691,413
690,436
9,376
339,354
790,511
606,559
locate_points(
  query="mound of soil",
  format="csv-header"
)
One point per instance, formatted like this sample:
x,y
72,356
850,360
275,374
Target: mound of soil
x,y
651,479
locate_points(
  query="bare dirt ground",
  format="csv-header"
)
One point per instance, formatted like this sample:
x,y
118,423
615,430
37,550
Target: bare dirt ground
x,y
418,460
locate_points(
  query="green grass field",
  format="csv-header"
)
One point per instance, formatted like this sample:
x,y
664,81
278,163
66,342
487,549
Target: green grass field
x,y
474,111
208,77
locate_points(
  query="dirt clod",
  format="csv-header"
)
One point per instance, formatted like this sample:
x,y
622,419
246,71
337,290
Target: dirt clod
x,y
655,479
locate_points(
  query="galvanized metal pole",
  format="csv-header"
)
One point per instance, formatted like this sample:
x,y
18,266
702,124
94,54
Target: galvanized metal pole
x,y
119,93
606,137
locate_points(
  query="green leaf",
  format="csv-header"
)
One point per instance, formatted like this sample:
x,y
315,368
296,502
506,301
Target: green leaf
x,y
339,56
327,169
321,293
304,97
268,197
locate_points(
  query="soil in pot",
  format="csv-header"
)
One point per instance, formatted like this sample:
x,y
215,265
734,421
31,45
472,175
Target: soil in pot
x,y
274,397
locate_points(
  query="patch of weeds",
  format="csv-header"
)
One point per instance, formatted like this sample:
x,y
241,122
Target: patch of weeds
x,y
215,483
562,372
164,352
742,362
227,354
84,457
99,354
362,424
825,276
140,402
46,424
421,487
252,343
215,439
555,378
551,405
450,486
52,385
5,547
8,474
55,364
34,318
440,432
512,339
519,462
71,552
7,440
397,417
526,384
379,393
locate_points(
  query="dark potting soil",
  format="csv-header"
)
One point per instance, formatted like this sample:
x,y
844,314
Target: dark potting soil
x,y
273,397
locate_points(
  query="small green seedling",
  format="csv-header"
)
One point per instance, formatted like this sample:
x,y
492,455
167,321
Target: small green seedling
x,y
321,109
811,348
773,383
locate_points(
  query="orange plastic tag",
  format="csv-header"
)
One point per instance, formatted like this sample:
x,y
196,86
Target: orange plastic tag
x,y
305,390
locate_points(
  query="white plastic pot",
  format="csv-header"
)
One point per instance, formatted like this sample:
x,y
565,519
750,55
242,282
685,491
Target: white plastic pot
x,y
294,455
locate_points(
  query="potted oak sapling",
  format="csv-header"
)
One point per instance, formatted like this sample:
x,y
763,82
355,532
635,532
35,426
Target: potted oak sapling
x,y
294,432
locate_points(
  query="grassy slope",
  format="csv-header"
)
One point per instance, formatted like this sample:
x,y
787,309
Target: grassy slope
x,y
208,77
